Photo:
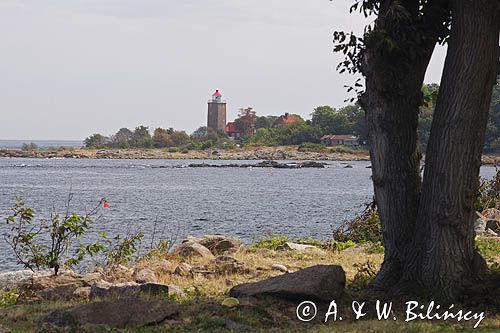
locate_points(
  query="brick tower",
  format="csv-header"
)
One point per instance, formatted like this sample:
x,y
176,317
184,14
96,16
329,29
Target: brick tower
x,y
216,112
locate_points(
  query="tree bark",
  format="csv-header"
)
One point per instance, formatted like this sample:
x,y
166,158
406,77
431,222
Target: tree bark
x,y
392,99
443,249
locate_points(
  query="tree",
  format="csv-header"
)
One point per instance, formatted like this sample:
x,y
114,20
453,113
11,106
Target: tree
x,y
123,138
329,120
427,230
265,122
142,137
493,128
246,121
205,133
95,141
162,139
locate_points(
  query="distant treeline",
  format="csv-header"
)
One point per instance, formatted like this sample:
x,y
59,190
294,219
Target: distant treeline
x,y
269,131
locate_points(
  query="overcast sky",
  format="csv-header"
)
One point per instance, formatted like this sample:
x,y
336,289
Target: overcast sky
x,y
70,68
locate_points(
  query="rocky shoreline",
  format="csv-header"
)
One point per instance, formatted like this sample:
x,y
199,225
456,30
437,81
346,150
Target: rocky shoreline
x,y
285,153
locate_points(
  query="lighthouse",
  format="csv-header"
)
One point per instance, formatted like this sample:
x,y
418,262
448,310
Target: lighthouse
x,y
216,112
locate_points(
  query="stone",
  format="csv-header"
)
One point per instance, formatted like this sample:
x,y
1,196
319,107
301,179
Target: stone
x,y
279,267
321,282
490,232
104,290
118,313
184,269
145,275
192,249
15,279
218,244
230,302
229,265
53,288
289,246
480,226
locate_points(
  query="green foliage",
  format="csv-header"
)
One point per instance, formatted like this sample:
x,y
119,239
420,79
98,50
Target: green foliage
x,y
489,247
29,146
488,195
26,236
96,141
272,242
365,274
120,250
313,147
341,246
246,121
8,298
363,228
142,138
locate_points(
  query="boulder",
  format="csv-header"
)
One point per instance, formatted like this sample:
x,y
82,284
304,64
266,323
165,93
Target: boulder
x,y
218,244
53,288
229,265
118,313
192,249
104,290
289,246
279,267
145,275
321,282
183,269
15,279
480,226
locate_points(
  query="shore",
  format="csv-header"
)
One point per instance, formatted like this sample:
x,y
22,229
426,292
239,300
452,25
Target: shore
x,y
247,153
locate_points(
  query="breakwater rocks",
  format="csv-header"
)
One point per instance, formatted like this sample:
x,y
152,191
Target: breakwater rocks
x,y
263,164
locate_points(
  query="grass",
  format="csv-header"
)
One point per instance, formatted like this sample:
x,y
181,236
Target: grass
x,y
202,309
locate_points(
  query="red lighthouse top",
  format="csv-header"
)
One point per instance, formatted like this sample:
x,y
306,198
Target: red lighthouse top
x,y
217,93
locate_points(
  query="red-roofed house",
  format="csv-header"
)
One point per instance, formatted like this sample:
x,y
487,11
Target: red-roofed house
x,y
285,119
338,140
232,130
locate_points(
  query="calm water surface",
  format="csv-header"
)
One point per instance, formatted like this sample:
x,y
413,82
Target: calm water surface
x,y
190,201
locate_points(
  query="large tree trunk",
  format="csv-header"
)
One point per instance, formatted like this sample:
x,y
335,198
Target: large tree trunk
x,y
444,246
394,79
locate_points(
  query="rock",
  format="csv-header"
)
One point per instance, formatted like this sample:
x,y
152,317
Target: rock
x,y
130,290
117,313
348,166
480,226
218,244
289,246
92,278
279,267
230,302
184,269
118,274
229,265
321,282
192,249
53,288
145,275
15,279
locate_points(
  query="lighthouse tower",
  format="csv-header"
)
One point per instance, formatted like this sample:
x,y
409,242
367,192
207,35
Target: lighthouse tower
x,y
216,112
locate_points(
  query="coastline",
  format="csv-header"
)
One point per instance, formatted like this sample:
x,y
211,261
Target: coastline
x,y
247,153
284,153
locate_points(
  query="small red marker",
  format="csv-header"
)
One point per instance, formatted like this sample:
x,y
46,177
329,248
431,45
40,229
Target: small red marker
x,y
106,205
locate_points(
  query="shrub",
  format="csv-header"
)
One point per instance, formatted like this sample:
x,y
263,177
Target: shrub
x,y
271,242
118,250
488,195
312,147
363,228
29,146
26,237
8,298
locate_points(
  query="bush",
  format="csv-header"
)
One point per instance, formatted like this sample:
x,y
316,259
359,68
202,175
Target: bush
x,y
312,147
8,298
271,242
488,195
27,235
29,146
363,228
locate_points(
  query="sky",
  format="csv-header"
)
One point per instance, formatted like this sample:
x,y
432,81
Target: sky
x,y
70,68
